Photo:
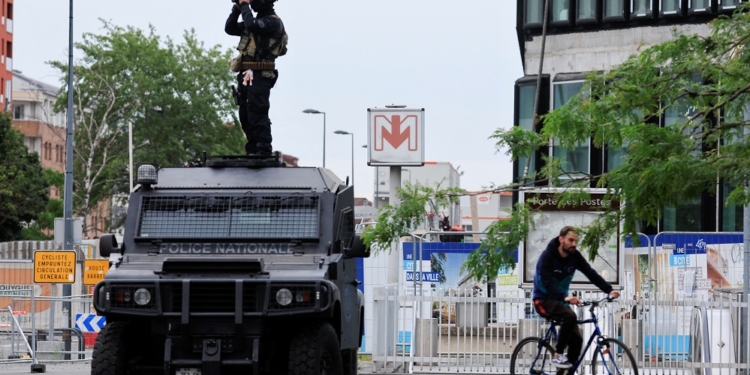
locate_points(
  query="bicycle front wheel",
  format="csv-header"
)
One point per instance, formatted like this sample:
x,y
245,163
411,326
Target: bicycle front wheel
x,y
532,356
612,357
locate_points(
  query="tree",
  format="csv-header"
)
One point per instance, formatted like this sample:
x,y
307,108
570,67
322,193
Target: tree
x,y
54,209
175,95
23,188
418,203
703,83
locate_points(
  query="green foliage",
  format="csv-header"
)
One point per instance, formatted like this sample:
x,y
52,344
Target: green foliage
x,y
23,187
417,202
175,95
54,209
497,248
701,85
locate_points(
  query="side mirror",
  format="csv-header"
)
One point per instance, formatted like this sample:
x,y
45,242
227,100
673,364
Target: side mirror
x,y
358,249
108,245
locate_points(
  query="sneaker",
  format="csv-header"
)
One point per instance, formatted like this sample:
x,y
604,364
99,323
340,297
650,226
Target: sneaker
x,y
561,361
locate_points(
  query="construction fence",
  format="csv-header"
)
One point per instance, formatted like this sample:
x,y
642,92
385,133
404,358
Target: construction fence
x,y
680,311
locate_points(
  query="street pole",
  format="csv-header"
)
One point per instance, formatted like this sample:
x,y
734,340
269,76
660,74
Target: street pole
x,y
68,203
352,134
324,139
745,356
130,152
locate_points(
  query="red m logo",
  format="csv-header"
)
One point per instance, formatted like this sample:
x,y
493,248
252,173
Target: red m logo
x,y
390,130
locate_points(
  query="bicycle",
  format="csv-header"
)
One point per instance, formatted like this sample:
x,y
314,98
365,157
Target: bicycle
x,y
533,355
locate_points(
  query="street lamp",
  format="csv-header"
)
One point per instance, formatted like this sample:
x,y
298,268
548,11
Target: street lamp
x,y
341,132
316,112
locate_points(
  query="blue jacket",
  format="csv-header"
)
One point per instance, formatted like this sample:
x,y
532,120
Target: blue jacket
x,y
554,273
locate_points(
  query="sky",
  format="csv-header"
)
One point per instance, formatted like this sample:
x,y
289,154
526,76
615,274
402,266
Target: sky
x,y
456,59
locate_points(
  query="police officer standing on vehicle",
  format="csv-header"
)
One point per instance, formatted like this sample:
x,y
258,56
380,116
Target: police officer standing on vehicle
x,y
263,39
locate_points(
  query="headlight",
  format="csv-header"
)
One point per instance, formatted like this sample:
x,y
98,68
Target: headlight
x,y
284,297
142,296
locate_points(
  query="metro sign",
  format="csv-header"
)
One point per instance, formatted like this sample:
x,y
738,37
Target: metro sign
x,y
395,137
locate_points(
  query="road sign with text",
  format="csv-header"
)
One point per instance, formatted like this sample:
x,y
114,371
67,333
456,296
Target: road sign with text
x,y
94,270
55,267
395,137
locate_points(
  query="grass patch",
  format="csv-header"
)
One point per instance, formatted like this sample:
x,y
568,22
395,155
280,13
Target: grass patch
x,y
364,357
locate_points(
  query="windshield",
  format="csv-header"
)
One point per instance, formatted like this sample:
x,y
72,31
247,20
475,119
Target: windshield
x,y
229,217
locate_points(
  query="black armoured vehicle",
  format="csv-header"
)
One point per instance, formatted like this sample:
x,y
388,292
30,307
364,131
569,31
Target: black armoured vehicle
x,y
235,266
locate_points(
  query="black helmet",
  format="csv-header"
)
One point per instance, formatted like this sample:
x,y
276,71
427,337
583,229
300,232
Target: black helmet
x,y
262,4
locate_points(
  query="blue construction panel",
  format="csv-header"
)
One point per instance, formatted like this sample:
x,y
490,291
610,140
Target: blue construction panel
x,y
404,341
668,347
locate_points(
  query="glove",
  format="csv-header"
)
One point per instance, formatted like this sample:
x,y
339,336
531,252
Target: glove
x,y
248,78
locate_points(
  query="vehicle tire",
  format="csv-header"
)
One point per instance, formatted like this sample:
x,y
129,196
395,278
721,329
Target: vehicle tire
x,y
349,358
613,357
122,348
316,351
110,356
532,356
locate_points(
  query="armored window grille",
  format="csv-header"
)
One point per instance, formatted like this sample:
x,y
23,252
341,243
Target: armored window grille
x,y
346,230
229,217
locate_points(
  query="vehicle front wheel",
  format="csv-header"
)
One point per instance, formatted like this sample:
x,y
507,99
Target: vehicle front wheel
x,y
122,349
315,351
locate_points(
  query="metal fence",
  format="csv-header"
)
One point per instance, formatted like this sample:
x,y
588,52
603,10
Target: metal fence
x,y
36,321
680,312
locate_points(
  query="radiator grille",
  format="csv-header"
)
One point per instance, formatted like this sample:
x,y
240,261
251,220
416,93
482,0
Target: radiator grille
x,y
227,217
214,297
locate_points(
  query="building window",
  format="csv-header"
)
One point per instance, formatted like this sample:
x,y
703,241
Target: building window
x,y
586,10
641,8
700,5
614,9
686,217
534,11
670,6
526,97
9,14
18,112
9,49
732,219
560,10
574,160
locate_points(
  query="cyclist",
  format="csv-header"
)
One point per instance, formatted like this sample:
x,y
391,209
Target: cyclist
x,y
554,271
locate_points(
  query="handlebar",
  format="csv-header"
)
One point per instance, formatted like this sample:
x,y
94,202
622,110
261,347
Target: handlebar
x,y
597,302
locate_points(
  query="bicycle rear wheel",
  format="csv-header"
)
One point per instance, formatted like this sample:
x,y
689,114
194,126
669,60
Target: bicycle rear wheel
x,y
532,356
612,357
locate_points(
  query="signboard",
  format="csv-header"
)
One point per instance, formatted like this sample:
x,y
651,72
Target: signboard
x,y
94,270
395,137
60,230
90,322
550,219
55,267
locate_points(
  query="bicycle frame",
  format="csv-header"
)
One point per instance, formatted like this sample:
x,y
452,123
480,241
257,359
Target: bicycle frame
x,y
552,332
597,334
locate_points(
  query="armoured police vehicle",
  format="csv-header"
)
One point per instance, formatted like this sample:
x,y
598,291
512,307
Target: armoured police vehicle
x,y
234,266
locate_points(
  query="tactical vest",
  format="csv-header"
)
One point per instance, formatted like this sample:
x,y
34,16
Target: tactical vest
x,y
259,54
